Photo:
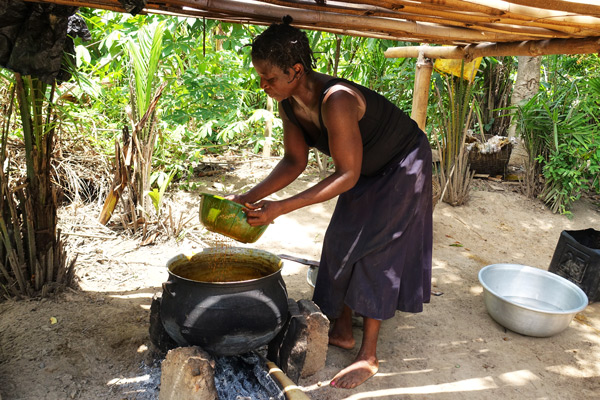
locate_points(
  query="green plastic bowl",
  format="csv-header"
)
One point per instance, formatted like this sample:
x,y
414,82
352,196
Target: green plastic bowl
x,y
227,217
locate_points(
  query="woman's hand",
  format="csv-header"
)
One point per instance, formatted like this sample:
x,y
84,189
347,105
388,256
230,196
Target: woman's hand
x,y
238,198
263,212
260,213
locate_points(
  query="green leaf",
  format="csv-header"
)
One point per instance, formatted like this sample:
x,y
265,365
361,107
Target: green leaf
x,y
156,200
82,55
145,55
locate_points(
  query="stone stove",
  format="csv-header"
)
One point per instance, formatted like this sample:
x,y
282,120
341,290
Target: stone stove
x,y
299,350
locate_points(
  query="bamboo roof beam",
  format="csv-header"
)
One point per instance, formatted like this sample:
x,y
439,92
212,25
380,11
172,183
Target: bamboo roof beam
x,y
590,7
360,23
456,22
471,21
425,11
443,5
540,33
527,48
246,19
315,19
449,18
343,7
503,10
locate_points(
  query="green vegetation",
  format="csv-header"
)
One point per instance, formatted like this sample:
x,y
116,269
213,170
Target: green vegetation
x,y
158,95
212,102
560,126
454,118
32,257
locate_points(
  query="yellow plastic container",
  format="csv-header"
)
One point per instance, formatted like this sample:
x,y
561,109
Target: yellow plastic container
x,y
454,66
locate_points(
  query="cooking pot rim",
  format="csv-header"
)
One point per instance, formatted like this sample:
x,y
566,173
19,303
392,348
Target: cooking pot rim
x,y
233,250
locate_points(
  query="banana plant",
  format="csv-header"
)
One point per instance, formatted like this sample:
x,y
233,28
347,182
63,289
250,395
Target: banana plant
x,y
145,55
158,194
34,259
145,91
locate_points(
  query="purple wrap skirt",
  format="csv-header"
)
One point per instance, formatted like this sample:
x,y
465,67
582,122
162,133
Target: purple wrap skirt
x,y
377,250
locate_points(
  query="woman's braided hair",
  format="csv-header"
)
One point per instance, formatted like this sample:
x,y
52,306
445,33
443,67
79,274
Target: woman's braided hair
x,y
284,46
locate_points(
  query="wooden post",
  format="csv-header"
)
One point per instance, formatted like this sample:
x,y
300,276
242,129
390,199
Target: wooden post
x,y
421,90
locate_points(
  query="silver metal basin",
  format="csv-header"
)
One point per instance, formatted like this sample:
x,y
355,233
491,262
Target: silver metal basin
x,y
530,301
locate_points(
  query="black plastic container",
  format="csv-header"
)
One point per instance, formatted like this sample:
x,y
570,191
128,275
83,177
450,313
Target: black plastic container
x,y
577,258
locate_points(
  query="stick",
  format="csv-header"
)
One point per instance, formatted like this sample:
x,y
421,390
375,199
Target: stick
x,y
290,389
299,260
89,235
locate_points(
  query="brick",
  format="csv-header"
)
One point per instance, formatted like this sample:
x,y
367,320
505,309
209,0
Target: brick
x,y
274,346
187,373
317,338
158,335
300,348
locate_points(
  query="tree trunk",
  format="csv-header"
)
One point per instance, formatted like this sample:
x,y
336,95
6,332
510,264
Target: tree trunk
x,y
219,42
527,83
526,86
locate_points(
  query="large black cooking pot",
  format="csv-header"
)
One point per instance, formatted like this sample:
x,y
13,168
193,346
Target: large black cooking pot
x,y
227,300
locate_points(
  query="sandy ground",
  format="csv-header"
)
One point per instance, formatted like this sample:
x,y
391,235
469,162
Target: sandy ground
x,y
92,343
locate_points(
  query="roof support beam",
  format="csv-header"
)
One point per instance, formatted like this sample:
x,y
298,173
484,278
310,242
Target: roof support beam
x,y
527,48
365,25
519,27
421,90
571,6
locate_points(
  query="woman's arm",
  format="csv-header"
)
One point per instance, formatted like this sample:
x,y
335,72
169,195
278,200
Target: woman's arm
x,y
287,170
340,115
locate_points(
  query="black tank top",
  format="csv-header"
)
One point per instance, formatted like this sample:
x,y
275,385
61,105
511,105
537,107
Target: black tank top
x,y
388,134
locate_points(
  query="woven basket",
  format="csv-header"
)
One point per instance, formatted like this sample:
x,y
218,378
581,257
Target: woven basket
x,y
490,163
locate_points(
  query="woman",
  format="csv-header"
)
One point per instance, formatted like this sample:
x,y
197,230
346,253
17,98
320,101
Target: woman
x,y
376,256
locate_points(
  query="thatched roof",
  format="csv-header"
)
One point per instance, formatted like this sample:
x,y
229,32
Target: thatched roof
x,y
571,26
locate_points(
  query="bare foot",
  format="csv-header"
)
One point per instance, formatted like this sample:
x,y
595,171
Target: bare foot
x,y
341,334
356,373
340,341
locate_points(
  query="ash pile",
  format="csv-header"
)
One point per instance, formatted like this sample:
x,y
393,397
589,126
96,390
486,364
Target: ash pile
x,y
245,377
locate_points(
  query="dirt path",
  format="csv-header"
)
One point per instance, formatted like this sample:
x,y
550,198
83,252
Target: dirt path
x,y
98,347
